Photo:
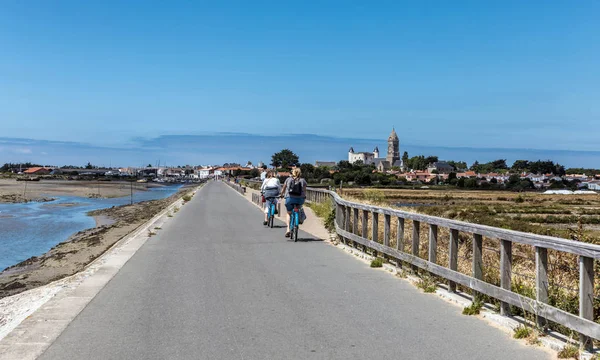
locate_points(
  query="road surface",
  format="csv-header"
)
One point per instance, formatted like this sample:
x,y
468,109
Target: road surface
x,y
215,284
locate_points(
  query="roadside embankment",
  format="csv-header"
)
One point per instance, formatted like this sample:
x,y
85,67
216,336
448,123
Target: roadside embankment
x,y
72,255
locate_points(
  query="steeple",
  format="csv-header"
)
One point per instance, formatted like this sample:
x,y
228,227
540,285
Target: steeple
x,y
393,152
393,135
351,150
376,149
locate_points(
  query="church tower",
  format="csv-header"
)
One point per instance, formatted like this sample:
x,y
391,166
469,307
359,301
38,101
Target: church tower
x,y
393,153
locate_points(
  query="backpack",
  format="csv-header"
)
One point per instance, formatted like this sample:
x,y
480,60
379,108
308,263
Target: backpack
x,y
296,188
302,216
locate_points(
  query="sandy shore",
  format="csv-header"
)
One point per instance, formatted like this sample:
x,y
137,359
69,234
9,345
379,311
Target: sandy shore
x,y
71,256
12,191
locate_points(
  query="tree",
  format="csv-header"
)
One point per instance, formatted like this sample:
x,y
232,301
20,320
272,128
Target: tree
x,y
475,166
285,158
431,160
89,165
149,165
451,176
458,165
405,158
255,173
344,165
471,183
461,182
520,166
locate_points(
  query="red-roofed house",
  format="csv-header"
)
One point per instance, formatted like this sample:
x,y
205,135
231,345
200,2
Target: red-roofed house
x,y
37,171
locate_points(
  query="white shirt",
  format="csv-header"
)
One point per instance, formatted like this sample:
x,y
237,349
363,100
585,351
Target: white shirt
x,y
271,183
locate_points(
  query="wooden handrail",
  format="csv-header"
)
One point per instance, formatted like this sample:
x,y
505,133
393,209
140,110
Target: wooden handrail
x,y
583,323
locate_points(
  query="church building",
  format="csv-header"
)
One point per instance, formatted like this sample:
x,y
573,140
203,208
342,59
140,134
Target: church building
x,y
382,164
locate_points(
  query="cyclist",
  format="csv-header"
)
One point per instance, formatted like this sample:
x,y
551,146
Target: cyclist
x,y
294,190
263,173
270,189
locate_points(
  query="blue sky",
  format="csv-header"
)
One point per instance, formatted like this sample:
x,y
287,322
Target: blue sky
x,y
474,74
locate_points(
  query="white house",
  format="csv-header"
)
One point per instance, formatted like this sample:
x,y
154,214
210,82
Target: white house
x,y
205,173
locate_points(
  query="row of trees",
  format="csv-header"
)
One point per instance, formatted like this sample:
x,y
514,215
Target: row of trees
x,y
421,162
519,166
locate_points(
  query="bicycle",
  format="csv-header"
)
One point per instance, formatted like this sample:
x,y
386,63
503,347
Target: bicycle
x,y
295,222
271,213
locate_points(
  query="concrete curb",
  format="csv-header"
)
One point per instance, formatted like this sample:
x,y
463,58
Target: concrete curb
x,y
43,324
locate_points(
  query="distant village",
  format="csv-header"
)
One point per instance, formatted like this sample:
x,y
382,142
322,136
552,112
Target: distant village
x,y
392,166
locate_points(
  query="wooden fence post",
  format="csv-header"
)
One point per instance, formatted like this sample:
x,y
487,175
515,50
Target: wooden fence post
x,y
386,229
433,238
375,228
355,221
505,272
586,296
365,228
416,233
347,221
541,282
453,257
477,261
400,235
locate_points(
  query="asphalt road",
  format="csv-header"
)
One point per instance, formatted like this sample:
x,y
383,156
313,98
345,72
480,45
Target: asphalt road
x,y
215,284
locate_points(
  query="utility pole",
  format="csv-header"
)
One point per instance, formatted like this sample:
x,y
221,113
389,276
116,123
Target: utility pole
x,y
131,197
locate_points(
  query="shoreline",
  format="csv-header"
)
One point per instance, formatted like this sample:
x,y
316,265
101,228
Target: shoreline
x,y
80,249
13,192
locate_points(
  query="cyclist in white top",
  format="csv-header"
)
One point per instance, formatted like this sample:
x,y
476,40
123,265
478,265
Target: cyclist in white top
x,y
270,189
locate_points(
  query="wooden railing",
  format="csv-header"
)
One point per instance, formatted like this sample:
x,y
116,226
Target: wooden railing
x,y
346,225
236,187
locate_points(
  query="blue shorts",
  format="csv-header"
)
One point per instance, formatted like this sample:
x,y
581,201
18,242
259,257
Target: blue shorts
x,y
291,201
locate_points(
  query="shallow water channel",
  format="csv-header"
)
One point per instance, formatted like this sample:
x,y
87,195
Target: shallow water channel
x,y
32,229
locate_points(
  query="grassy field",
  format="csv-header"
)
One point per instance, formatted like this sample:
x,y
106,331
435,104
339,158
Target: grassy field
x,y
575,217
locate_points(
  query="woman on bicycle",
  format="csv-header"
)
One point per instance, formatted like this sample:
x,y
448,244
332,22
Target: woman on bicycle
x,y
294,190
270,189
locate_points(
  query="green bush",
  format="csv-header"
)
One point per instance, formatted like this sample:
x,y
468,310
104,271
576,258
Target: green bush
x,y
187,198
427,284
474,308
325,211
377,263
569,352
522,332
